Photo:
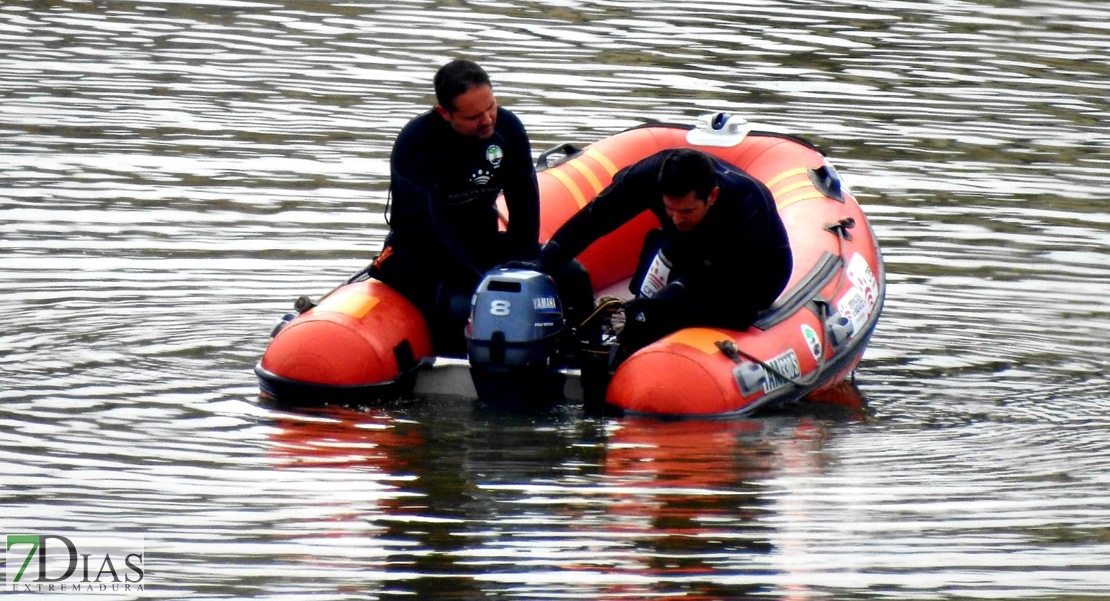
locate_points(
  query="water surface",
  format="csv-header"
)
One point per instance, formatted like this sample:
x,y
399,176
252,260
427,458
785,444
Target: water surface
x,y
176,173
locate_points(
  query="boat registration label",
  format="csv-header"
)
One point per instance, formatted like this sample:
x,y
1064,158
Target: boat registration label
x,y
784,369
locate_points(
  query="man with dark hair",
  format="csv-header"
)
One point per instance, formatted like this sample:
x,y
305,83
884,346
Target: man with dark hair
x,y
446,170
721,256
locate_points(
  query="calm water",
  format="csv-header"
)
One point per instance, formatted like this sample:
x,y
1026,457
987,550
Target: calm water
x,y
175,173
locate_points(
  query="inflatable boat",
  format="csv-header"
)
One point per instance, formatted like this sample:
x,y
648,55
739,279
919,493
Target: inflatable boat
x,y
363,340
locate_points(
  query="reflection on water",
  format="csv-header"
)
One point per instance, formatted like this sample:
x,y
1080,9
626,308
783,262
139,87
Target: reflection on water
x,y
176,173
620,508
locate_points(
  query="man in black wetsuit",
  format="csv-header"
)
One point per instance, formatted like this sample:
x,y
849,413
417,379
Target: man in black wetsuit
x,y
721,256
447,168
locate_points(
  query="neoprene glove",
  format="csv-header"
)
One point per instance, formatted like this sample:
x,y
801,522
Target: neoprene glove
x,y
551,258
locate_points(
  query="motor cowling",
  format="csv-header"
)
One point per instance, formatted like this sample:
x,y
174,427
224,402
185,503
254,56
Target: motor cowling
x,y
516,320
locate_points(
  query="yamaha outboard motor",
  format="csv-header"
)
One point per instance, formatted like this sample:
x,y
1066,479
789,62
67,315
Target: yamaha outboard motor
x,y
516,318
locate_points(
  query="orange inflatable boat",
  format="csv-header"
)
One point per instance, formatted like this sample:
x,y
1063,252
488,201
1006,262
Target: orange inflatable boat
x,y
364,339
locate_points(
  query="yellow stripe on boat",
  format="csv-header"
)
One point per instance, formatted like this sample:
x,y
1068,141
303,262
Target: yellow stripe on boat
x,y
774,181
785,202
784,190
602,159
570,185
355,304
702,339
588,174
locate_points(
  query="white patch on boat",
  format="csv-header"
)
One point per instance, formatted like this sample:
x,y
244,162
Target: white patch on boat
x,y
853,305
860,274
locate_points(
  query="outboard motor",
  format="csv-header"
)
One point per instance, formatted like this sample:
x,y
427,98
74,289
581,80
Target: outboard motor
x,y
516,318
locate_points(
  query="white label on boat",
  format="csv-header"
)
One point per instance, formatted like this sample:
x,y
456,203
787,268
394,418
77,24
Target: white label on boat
x,y
860,274
786,365
657,276
853,305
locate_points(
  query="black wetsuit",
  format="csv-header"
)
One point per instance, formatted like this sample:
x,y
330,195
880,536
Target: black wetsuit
x,y
444,224
724,271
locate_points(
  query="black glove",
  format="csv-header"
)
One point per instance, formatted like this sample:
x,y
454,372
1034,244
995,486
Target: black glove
x,y
649,319
551,257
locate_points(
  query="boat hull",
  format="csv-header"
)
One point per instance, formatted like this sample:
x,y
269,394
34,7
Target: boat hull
x,y
361,341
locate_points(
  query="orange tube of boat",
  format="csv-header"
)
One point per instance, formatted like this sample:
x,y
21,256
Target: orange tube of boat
x,y
355,336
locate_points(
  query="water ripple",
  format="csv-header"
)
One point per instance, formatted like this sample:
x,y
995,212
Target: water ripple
x,y
178,172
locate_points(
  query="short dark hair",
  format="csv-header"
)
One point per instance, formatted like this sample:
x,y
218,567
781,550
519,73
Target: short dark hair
x,y
455,78
685,170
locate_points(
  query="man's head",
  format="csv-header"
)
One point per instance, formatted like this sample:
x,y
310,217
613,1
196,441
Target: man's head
x,y
464,98
688,183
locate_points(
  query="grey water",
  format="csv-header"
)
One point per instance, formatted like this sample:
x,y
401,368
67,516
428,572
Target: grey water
x,y
175,173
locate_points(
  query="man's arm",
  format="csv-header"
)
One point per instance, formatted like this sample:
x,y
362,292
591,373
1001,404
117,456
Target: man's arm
x,y
521,191
630,194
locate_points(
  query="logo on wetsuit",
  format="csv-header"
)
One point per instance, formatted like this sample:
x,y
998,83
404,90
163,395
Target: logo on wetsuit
x,y
481,177
494,154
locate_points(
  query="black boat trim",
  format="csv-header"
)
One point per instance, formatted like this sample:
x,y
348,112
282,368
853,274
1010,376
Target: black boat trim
x,y
288,392
807,289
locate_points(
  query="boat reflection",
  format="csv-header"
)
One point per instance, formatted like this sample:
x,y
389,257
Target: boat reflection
x,y
631,506
694,499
